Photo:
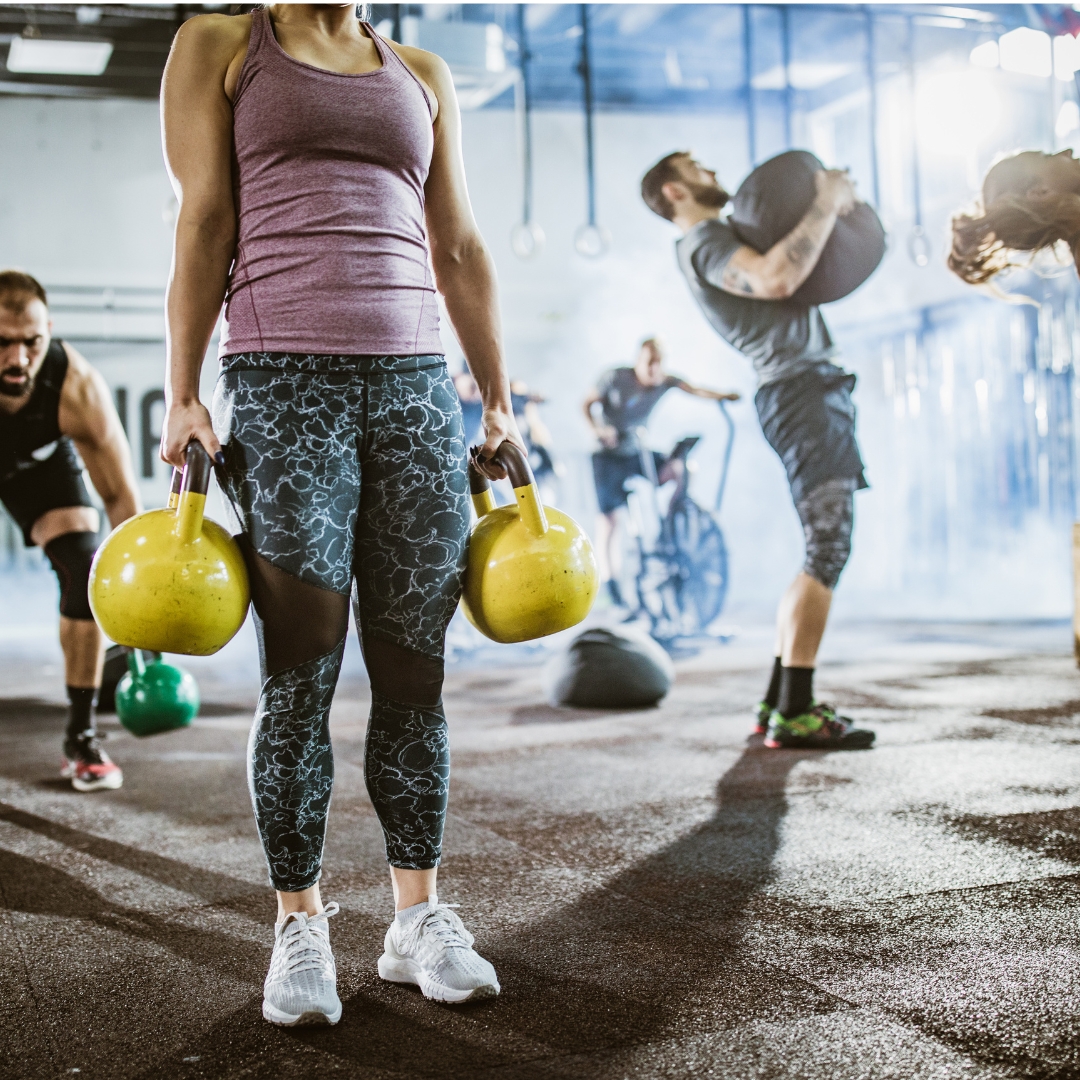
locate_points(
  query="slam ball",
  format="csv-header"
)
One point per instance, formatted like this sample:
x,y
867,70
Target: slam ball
x,y
772,200
609,669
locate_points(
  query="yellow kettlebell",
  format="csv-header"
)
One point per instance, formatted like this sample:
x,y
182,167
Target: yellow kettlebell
x,y
531,570
172,580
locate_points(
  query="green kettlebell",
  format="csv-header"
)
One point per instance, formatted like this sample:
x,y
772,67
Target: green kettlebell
x,y
155,697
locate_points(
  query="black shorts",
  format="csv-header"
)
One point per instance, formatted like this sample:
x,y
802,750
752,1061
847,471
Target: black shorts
x,y
51,484
809,420
611,471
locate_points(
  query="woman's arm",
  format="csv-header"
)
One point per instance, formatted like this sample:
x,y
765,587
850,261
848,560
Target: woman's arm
x,y
464,272
196,124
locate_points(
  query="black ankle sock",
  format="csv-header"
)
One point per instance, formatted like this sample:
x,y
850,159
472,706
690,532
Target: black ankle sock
x,y
80,710
772,695
796,690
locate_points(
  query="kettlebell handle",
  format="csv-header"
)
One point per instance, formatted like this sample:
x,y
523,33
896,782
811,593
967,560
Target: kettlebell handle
x,y
522,480
193,488
136,663
197,469
174,488
510,458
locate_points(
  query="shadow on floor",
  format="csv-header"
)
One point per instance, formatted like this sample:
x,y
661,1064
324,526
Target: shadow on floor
x,y
653,950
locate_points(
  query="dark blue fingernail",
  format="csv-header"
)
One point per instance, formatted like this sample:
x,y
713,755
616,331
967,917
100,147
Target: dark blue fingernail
x,y
219,458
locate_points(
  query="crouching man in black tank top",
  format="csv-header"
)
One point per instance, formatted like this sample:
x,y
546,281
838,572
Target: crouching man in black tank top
x,y
52,403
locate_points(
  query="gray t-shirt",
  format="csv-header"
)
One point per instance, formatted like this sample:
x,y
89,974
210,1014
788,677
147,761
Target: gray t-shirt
x,y
626,403
779,337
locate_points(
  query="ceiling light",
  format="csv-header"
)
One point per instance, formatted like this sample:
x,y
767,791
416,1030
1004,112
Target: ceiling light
x,y
1068,119
1066,57
803,75
494,53
1026,52
44,56
956,111
985,55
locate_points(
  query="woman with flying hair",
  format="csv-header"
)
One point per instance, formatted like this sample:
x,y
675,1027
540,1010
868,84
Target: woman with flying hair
x,y
1030,203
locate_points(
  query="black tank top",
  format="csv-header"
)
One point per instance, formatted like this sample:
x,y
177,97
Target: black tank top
x,y
37,423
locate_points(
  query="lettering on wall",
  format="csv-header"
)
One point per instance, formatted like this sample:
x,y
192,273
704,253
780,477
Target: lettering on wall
x,y
121,406
150,440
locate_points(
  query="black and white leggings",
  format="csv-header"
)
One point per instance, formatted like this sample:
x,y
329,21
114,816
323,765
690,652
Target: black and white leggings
x,y
348,473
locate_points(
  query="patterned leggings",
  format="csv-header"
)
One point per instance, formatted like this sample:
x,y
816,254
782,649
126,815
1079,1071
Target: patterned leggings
x,y
348,473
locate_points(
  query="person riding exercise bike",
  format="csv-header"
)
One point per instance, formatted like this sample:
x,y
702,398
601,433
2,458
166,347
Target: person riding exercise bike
x,y
676,564
625,397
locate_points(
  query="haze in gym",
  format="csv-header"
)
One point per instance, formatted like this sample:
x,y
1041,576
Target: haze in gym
x,y
672,875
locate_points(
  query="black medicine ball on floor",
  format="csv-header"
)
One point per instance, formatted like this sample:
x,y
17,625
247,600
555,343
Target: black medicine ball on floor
x,y
604,668
772,200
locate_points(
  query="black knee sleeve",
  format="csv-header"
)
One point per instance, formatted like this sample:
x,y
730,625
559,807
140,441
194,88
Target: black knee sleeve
x,y
827,516
71,556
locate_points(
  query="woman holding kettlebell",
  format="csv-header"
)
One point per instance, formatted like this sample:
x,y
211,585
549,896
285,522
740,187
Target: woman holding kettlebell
x,y
317,167
1030,202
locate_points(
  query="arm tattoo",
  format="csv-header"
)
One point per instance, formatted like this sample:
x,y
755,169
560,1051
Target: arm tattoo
x,y
808,237
799,249
736,281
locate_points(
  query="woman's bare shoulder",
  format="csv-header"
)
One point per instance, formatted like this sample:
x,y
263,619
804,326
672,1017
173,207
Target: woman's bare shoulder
x,y
213,37
211,46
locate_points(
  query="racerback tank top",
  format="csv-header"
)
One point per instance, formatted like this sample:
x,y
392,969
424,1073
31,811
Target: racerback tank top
x,y
37,424
332,253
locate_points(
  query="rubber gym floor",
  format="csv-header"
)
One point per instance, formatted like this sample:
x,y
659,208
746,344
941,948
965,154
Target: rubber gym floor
x,y
662,897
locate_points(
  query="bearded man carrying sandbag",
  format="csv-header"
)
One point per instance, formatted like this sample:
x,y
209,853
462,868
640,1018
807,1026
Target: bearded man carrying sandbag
x,y
803,402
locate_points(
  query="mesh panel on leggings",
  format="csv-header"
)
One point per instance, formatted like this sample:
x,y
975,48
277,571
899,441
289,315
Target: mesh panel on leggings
x,y
297,621
403,675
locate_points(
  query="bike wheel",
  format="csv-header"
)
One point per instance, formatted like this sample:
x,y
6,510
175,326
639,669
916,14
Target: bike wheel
x,y
699,554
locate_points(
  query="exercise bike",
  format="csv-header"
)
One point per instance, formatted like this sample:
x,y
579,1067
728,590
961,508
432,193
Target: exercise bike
x,y
675,561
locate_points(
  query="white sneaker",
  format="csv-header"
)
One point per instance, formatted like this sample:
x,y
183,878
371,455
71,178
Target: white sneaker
x,y
434,951
301,985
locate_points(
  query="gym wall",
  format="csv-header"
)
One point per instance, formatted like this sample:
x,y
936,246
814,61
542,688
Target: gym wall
x,y
967,406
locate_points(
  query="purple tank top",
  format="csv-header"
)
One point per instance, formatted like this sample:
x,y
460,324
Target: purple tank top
x,y
332,253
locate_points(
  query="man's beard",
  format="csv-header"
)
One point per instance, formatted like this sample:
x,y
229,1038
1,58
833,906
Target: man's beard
x,y
10,390
711,195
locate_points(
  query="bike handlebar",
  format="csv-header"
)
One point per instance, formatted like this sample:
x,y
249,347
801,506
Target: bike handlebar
x,y
648,465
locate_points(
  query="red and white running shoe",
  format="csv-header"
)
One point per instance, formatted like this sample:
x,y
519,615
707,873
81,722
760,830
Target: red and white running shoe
x,y
87,766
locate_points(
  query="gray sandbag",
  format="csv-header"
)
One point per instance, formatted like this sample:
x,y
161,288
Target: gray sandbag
x,y
604,668
771,201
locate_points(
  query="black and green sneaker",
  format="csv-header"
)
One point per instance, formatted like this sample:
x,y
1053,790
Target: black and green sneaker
x,y
762,712
818,729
